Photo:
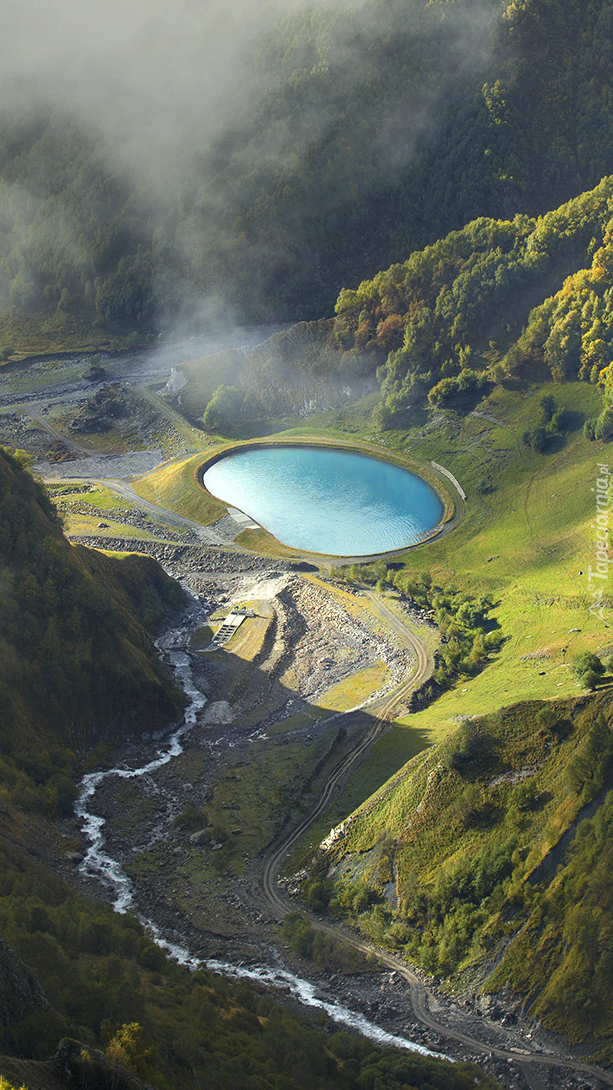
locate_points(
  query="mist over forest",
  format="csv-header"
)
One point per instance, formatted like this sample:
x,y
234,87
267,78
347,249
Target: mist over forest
x,y
246,162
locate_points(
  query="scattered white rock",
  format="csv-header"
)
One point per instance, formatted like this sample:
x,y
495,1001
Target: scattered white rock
x,y
218,713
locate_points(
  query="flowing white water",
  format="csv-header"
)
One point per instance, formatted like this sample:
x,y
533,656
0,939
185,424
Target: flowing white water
x,y
99,864
307,994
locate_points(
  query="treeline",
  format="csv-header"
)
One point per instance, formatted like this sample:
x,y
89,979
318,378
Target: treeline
x,y
374,133
488,304
499,846
111,989
469,634
464,311
76,663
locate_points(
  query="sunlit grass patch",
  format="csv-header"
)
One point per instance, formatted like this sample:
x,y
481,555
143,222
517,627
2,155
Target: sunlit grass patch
x,y
89,525
99,496
176,485
354,689
247,641
260,541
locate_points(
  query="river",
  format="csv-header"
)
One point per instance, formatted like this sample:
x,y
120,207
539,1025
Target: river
x,y
97,863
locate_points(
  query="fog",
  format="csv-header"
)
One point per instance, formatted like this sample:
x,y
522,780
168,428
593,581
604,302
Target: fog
x,y
159,80
160,85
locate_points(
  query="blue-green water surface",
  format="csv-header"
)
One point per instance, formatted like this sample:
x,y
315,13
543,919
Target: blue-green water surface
x,y
327,501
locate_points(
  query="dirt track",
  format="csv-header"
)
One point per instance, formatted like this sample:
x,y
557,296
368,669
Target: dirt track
x,y
222,576
540,1071
341,771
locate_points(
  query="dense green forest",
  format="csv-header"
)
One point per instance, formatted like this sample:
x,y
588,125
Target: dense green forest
x,y
527,298
488,302
77,664
373,132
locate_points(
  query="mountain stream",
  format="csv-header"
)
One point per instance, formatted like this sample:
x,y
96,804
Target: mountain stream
x,y
98,864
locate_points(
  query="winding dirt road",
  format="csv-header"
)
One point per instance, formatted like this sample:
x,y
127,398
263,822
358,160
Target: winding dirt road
x,y
341,771
530,1062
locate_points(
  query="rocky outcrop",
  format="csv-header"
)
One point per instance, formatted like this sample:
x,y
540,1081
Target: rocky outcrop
x,y
20,993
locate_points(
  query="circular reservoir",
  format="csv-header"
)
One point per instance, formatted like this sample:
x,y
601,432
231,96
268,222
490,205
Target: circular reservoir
x,y
327,501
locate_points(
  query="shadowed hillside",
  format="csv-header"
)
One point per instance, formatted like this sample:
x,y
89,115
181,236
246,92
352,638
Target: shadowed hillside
x,y
76,663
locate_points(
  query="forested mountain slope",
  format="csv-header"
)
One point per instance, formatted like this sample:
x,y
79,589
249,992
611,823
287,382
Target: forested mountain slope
x,y
76,663
521,297
528,298
371,132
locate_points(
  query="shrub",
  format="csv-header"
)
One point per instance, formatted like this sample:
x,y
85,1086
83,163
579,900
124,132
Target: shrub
x,y
588,669
191,817
224,409
552,424
604,424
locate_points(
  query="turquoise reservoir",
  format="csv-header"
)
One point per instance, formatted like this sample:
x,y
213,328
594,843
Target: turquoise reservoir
x,y
327,501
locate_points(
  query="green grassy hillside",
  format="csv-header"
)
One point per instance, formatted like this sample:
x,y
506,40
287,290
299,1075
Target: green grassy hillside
x,y
486,859
527,540
454,860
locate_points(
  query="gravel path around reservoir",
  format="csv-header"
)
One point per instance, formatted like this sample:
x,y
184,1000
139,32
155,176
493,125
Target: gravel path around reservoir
x,y
108,466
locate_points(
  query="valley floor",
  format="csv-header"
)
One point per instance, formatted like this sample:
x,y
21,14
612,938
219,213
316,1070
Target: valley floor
x,y
209,898
317,672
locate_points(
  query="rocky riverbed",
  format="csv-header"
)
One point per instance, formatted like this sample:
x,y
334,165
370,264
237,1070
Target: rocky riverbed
x,y
202,890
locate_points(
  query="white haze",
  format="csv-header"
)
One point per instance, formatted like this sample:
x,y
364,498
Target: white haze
x,y
158,82
162,79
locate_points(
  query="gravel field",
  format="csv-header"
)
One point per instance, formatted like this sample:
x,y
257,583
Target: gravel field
x,y
106,466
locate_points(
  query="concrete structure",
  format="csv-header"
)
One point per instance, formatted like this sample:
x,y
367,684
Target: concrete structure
x,y
228,627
